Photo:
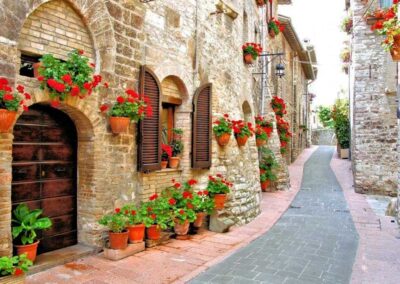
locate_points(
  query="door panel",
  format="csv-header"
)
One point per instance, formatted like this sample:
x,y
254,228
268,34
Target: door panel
x,y
44,172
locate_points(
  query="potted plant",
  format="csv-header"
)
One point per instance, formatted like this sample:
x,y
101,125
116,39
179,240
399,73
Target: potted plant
x,y
278,106
340,116
268,166
261,2
223,130
345,55
180,199
12,269
10,103
71,78
125,110
25,224
243,130
135,226
178,133
117,232
251,51
347,24
203,205
265,124
156,216
166,154
177,149
261,136
283,132
372,18
275,27
218,188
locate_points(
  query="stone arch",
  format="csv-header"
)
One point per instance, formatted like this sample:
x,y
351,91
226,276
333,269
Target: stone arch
x,y
247,111
176,87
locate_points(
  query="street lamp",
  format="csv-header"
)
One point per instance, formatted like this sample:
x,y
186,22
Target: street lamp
x,y
280,70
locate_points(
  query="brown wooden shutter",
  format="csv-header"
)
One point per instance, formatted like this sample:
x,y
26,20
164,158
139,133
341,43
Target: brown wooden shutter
x,y
201,131
149,137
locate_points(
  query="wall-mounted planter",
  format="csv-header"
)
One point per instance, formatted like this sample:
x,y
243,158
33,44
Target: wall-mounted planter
x,y
395,50
7,119
241,141
248,58
223,139
119,124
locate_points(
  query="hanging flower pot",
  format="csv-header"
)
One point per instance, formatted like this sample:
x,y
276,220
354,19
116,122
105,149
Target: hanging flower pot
x,y
37,69
223,139
219,200
174,162
265,185
29,249
164,164
7,119
118,240
136,233
260,142
241,141
181,229
200,216
153,232
248,58
119,124
261,3
271,33
395,49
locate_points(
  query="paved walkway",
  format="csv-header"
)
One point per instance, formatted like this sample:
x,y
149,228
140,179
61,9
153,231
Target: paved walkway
x,y
178,261
315,241
378,255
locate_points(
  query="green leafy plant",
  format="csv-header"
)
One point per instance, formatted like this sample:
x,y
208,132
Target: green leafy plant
x,y
10,100
222,125
14,265
218,185
132,214
260,133
325,116
278,106
73,77
275,26
347,24
156,212
340,116
252,48
177,131
345,55
25,224
268,164
242,128
116,222
177,147
202,202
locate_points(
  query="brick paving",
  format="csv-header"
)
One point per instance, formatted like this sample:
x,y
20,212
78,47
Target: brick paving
x,y
178,261
378,254
315,241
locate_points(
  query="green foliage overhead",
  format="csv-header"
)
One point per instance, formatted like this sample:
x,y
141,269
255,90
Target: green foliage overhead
x,y
324,115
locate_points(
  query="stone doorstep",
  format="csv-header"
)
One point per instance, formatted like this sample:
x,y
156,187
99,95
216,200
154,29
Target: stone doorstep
x,y
118,254
61,256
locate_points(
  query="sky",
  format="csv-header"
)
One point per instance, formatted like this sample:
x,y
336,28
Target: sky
x,y
319,21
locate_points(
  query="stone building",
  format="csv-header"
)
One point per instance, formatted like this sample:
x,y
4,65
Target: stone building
x,y
373,107
182,54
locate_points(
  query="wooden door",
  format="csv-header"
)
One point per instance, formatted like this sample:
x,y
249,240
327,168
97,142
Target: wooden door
x,y
44,172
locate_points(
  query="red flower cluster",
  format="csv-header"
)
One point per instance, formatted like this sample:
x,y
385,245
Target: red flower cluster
x,y
265,124
192,182
252,46
153,197
278,105
201,193
242,128
166,151
172,201
59,87
11,101
221,179
284,132
187,195
117,210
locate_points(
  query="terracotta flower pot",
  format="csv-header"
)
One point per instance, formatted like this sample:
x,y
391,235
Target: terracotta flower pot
x,y
199,219
36,66
260,2
174,162
119,124
219,200
223,140
136,233
265,185
153,232
248,58
30,250
260,142
118,240
271,33
181,229
7,119
164,164
241,140
395,50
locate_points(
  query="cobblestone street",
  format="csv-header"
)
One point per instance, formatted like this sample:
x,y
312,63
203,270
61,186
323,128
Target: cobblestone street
x,y
315,241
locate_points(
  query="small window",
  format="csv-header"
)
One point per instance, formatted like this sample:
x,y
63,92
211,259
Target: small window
x,y
386,3
167,122
27,62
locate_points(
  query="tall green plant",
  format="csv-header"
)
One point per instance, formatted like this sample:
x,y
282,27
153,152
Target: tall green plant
x,y
340,116
325,116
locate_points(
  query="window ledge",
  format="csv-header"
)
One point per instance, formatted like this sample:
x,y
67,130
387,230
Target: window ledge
x,y
169,170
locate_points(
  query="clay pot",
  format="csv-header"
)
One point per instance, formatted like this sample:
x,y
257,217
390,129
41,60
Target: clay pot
x,y
271,33
181,229
265,185
219,200
153,232
260,142
200,219
136,233
36,66
174,162
119,124
30,250
395,50
248,58
118,240
260,2
7,119
223,140
164,164
241,140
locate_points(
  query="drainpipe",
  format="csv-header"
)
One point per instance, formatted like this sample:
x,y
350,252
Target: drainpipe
x,y
264,64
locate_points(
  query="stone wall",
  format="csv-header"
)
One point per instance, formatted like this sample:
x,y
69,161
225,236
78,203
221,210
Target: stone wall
x,y
183,41
324,137
374,131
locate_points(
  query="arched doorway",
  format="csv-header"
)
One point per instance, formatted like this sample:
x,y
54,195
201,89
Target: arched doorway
x,y
44,172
